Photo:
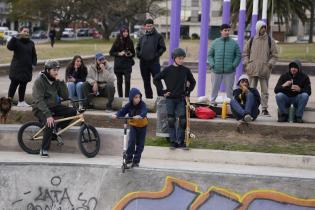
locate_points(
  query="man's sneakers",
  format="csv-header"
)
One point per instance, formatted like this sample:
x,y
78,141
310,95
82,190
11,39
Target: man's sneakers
x,y
135,165
179,146
247,118
173,145
265,113
43,153
23,104
298,120
283,118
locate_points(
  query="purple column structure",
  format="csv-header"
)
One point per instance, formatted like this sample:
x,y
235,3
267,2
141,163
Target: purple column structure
x,y
240,35
226,11
175,27
204,31
254,18
264,11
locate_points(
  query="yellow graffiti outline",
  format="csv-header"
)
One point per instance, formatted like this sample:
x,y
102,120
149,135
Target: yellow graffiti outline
x,y
244,200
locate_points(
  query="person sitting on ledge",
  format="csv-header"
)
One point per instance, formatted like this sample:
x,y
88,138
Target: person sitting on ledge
x,y
245,101
293,88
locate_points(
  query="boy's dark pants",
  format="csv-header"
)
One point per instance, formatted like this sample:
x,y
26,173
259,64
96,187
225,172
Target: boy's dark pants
x,y
176,110
58,111
136,143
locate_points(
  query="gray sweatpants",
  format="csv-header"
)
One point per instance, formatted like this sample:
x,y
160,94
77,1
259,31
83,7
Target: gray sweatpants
x,y
264,83
216,80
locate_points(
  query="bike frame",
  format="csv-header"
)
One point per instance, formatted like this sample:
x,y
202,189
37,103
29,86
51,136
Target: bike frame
x,y
78,119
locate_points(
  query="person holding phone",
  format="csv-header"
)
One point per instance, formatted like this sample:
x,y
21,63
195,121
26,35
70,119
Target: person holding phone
x,y
123,50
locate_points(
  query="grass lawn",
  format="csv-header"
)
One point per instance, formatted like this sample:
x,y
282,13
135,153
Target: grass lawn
x,y
295,148
305,52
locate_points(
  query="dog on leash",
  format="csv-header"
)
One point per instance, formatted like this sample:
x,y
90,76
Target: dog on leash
x,y
5,107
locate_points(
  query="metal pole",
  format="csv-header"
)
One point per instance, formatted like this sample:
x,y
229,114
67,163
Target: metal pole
x,y
240,33
204,31
264,11
254,18
175,27
226,11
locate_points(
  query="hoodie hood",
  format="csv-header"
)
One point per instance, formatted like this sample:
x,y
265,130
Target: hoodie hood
x,y
133,92
295,63
243,76
260,24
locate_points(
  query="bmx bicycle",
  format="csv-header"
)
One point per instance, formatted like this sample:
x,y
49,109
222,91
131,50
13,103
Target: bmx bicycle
x,y
30,135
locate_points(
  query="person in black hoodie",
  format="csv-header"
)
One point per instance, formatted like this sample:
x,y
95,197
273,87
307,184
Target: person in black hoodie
x,y
179,83
123,50
137,109
293,87
23,62
245,101
149,49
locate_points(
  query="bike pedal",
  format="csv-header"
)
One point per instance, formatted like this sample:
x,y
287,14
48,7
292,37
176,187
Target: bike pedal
x,y
60,141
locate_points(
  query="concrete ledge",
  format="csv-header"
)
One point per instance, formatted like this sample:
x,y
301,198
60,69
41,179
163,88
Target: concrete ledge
x,y
111,140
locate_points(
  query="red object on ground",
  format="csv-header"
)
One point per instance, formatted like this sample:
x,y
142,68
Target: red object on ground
x,y
205,113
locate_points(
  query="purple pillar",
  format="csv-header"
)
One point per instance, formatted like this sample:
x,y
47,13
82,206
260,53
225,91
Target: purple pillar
x,y
204,30
254,18
175,27
264,11
226,12
240,35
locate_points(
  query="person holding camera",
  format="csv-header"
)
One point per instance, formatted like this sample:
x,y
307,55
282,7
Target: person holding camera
x,y
100,81
23,62
123,50
293,87
179,83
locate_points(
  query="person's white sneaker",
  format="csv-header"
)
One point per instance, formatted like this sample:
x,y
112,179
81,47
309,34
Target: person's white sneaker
x,y
23,104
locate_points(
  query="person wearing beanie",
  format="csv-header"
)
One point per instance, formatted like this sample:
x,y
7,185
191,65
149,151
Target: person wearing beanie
x,y
100,81
23,62
246,101
259,56
179,83
223,57
46,94
123,50
149,49
293,88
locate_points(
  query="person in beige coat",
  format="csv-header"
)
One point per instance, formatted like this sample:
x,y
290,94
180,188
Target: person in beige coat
x,y
259,56
100,81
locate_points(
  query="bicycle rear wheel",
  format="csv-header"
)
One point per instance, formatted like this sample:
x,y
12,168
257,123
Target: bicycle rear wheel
x,y
27,139
89,141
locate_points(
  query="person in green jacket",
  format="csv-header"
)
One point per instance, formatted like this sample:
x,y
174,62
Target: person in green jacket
x,y
47,91
223,57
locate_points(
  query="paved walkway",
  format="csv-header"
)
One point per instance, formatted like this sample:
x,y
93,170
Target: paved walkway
x,y
136,81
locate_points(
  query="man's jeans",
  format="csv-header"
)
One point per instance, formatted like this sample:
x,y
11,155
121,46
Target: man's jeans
x,y
299,102
176,119
250,107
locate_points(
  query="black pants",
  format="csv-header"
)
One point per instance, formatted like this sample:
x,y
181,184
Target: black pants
x,y
52,42
119,77
13,86
58,111
147,69
107,91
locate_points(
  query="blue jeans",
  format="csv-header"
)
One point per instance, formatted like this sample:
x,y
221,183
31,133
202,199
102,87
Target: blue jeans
x,y
176,115
75,90
250,107
299,102
136,143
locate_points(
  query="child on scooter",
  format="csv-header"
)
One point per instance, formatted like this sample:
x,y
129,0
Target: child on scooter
x,y
136,109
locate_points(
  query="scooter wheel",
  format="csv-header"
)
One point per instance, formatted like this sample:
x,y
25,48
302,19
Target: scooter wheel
x,y
123,168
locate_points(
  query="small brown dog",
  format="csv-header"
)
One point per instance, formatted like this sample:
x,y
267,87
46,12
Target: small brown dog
x,y
5,107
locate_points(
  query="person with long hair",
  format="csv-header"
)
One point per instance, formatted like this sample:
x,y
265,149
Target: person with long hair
x,y
76,73
123,50
23,62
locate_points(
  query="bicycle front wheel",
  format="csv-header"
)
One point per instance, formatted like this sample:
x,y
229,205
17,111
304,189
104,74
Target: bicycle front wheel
x,y
89,141
30,137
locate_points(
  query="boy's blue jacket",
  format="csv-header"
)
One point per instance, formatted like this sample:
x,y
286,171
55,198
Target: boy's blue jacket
x,y
130,109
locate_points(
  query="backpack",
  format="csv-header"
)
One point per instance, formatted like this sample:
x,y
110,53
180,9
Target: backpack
x,y
251,42
204,113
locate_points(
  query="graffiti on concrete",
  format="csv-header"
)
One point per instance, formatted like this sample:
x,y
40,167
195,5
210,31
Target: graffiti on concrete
x,y
180,194
54,198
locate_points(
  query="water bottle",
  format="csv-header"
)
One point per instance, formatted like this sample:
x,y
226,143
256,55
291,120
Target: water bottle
x,y
224,110
291,113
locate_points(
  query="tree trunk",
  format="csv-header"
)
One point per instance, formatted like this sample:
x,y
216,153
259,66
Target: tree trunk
x,y
310,40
